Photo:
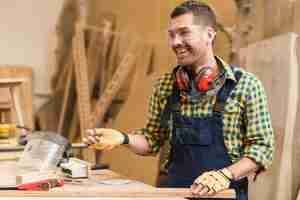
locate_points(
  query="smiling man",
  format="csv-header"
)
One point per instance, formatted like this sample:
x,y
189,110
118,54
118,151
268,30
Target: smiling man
x,y
214,116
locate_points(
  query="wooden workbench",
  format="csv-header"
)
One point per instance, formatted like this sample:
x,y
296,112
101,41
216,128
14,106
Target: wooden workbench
x,y
100,180
101,185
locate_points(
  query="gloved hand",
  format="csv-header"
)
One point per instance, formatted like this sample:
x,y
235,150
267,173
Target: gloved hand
x,y
103,139
212,182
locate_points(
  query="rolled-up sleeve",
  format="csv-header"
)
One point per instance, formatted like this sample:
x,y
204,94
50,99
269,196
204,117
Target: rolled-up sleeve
x,y
153,131
259,143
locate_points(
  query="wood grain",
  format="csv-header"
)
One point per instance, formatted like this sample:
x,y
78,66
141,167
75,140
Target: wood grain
x,y
82,88
275,63
119,193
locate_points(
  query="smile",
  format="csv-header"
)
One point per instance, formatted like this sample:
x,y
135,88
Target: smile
x,y
181,52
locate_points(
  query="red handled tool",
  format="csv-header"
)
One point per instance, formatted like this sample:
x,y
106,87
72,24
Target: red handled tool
x,y
43,185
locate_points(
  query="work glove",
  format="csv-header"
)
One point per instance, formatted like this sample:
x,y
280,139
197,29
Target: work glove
x,y
104,139
212,182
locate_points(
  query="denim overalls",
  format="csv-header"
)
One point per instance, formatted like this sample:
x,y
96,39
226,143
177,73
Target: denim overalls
x,y
197,143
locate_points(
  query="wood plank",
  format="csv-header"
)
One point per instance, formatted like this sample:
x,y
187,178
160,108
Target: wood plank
x,y
15,96
82,88
296,141
6,82
169,193
65,30
65,96
274,61
100,39
120,76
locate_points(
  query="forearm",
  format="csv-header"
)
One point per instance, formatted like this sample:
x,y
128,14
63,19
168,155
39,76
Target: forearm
x,y
138,144
242,168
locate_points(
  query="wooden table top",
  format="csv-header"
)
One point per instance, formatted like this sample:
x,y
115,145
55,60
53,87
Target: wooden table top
x,y
101,185
99,180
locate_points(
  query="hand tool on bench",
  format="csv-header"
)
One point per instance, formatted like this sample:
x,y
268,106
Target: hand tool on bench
x,y
43,185
43,151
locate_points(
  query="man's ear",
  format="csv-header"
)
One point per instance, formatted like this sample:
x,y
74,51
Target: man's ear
x,y
211,33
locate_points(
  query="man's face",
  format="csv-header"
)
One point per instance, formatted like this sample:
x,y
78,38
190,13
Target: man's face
x,y
192,43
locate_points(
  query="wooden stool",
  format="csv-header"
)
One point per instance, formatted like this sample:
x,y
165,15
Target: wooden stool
x,y
13,84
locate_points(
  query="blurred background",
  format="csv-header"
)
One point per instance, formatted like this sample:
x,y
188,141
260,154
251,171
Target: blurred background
x,y
90,63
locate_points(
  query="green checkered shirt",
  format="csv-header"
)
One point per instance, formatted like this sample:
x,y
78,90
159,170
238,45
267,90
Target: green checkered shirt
x,y
247,126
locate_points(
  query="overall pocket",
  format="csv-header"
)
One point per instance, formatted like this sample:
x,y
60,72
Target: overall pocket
x,y
192,136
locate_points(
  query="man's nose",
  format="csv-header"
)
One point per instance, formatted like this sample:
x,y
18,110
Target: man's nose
x,y
176,40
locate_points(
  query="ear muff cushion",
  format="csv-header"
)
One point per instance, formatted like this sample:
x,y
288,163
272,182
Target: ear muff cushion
x,y
182,79
203,79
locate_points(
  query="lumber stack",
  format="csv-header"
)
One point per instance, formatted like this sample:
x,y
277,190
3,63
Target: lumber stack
x,y
96,75
133,115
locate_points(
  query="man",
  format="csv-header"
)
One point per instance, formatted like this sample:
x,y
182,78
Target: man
x,y
214,115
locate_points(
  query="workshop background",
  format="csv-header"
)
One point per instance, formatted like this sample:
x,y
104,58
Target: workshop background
x,y
93,62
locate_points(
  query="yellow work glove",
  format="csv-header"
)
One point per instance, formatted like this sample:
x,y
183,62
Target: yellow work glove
x,y
212,182
104,139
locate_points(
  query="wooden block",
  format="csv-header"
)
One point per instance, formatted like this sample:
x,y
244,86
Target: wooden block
x,y
275,62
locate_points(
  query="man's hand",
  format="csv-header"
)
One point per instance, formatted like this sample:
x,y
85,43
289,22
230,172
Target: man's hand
x,y
103,139
211,182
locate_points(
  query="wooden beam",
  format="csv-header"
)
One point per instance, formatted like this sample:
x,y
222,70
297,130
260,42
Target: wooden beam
x,y
82,88
114,86
99,46
66,95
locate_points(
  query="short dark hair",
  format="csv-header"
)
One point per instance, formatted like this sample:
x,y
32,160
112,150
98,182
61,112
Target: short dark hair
x,y
201,11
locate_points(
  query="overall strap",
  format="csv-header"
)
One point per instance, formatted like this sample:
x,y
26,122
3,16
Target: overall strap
x,y
173,101
225,91
172,105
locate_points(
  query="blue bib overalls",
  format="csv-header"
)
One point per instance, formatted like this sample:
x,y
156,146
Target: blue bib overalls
x,y
197,143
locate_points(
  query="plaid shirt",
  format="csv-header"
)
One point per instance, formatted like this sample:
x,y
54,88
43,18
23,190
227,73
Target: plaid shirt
x,y
247,126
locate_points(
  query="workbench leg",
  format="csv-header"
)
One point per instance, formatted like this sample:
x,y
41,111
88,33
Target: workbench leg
x,y
17,104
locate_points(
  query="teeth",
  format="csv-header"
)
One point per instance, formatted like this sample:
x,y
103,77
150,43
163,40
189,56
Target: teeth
x,y
181,51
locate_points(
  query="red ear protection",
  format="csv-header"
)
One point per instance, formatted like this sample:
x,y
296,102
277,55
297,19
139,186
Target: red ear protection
x,y
203,78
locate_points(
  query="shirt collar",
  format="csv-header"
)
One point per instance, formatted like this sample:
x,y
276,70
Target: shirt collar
x,y
229,74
